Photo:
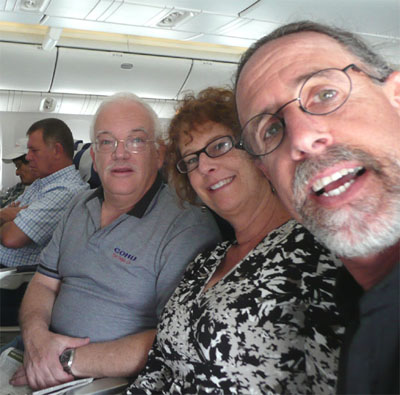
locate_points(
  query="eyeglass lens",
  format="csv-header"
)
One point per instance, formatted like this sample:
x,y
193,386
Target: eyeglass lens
x,y
214,149
322,93
135,142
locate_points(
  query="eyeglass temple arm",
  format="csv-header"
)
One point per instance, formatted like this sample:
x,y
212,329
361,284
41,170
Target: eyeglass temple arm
x,y
356,68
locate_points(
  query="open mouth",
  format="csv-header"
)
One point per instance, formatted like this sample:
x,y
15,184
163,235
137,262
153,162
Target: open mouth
x,y
338,182
221,183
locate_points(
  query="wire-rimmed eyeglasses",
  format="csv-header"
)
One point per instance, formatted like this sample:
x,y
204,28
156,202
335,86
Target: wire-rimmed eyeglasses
x,y
136,141
215,148
322,93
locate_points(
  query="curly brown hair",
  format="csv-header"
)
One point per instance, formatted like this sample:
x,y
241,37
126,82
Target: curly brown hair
x,y
211,104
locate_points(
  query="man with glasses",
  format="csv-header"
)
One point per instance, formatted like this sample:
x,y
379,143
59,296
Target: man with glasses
x,y
321,111
92,308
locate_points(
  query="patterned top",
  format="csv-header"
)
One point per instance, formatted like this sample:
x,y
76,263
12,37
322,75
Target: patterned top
x,y
12,194
47,199
269,326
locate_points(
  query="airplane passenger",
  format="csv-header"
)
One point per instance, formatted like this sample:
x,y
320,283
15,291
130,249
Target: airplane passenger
x,y
18,156
93,305
27,227
255,315
322,111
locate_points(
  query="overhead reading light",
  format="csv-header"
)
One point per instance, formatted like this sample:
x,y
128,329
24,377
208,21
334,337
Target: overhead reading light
x,y
174,18
33,5
48,104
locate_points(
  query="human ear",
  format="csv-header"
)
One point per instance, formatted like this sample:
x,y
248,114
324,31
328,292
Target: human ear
x,y
92,154
58,149
392,89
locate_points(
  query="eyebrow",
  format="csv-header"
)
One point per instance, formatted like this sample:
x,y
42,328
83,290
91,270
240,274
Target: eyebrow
x,y
295,82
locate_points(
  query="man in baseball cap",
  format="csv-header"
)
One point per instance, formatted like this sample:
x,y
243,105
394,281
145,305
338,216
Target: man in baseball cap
x,y
17,156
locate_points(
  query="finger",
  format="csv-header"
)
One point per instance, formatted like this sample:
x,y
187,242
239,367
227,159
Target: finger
x,y
20,372
47,376
78,342
19,381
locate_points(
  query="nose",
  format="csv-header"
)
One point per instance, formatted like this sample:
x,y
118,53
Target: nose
x,y
307,134
206,164
28,155
121,151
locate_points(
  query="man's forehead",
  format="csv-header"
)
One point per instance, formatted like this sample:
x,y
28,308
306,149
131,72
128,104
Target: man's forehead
x,y
311,49
35,136
277,68
124,115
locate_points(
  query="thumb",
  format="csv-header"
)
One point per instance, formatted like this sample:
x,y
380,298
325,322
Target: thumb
x,y
79,342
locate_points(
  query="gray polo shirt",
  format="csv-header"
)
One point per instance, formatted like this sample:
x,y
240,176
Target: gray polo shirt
x,y
116,280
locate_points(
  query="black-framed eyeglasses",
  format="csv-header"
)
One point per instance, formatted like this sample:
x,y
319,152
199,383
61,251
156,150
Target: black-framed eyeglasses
x,y
322,93
215,148
136,141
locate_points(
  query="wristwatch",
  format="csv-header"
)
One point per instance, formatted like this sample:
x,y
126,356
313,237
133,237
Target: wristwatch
x,y
67,358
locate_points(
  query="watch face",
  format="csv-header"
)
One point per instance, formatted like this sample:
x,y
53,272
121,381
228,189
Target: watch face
x,y
65,356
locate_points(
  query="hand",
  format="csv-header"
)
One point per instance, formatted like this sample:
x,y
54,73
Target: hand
x,y
9,213
41,360
19,377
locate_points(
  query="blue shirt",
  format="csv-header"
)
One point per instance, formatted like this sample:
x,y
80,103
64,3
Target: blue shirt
x,y
47,199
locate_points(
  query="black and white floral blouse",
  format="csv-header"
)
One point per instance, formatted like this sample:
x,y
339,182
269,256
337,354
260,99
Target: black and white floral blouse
x,y
270,326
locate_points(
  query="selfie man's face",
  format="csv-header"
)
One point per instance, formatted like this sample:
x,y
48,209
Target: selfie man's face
x,y
337,172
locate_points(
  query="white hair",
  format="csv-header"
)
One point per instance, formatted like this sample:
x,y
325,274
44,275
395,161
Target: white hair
x,y
128,97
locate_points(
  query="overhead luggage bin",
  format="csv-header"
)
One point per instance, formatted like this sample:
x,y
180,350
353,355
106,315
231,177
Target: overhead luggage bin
x,y
206,73
92,72
26,67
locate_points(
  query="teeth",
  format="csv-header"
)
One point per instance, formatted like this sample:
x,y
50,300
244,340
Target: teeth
x,y
338,191
323,182
221,183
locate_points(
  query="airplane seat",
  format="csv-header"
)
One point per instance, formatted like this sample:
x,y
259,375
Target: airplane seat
x,y
84,164
13,283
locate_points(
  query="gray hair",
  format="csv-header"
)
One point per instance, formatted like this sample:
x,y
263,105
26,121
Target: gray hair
x,y
352,43
124,97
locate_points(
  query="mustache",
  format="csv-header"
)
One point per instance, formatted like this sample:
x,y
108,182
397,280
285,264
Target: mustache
x,y
331,156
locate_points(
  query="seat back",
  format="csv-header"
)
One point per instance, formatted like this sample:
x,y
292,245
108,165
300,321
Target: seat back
x,y
13,283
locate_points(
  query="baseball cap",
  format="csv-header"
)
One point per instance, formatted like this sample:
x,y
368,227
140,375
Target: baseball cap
x,y
18,150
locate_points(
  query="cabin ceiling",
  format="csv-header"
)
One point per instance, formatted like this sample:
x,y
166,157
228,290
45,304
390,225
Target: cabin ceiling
x,y
219,22
198,42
